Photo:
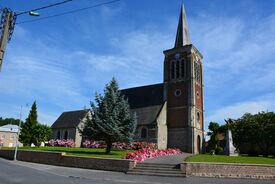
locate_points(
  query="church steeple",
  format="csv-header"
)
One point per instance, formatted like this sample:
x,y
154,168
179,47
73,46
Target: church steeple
x,y
183,37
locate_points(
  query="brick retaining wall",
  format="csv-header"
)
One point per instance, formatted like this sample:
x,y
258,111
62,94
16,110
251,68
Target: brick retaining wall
x,y
61,159
228,170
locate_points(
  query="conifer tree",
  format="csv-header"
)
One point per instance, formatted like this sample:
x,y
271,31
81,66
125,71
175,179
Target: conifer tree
x,y
27,135
111,120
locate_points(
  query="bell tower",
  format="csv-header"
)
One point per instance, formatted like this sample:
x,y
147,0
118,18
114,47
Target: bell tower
x,y
183,91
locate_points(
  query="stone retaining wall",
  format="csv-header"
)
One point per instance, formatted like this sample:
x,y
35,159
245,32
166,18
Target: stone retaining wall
x,y
228,170
61,159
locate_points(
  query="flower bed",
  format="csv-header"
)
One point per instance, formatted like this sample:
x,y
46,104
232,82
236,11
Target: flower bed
x,y
146,153
62,142
119,145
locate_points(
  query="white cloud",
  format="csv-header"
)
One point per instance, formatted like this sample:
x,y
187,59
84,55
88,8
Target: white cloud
x,y
237,110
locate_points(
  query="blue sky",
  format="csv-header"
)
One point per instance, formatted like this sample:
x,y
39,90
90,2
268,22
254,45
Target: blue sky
x,y
62,62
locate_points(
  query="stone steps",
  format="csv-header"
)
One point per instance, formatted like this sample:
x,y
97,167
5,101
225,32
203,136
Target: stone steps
x,y
166,170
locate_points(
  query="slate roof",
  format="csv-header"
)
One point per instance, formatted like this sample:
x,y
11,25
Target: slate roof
x,y
147,115
145,101
9,128
69,119
144,96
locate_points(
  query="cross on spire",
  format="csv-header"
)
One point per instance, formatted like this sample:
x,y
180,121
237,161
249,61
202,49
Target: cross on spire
x,y
183,37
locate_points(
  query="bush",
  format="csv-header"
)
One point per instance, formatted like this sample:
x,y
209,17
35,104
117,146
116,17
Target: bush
x,y
212,152
253,153
218,150
140,145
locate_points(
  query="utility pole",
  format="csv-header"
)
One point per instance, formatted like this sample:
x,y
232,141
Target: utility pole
x,y
7,24
18,134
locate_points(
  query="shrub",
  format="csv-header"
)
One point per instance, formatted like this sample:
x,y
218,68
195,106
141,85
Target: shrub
x,y
212,152
253,153
218,150
140,145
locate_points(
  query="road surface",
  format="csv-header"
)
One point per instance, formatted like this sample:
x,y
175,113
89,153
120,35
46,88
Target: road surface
x,y
15,172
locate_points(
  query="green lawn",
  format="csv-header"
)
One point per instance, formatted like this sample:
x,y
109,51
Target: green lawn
x,y
92,152
231,159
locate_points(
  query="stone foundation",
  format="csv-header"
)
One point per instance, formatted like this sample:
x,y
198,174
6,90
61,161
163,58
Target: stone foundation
x,y
226,170
180,138
61,159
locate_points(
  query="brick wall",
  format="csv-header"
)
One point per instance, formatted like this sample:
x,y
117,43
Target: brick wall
x,y
8,139
222,170
61,159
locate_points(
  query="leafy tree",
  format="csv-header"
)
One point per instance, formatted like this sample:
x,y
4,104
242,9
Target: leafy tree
x,y
9,121
27,135
111,120
213,133
256,130
41,133
214,130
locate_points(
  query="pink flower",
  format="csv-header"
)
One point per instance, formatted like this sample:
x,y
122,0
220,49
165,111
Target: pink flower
x,y
145,153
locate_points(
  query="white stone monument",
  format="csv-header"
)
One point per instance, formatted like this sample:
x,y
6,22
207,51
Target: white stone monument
x,y
230,149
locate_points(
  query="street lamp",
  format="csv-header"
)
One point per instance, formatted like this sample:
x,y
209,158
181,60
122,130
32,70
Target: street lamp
x,y
7,25
18,134
34,13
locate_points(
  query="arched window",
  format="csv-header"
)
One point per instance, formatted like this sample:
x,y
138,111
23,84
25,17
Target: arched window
x,y
58,134
173,70
198,117
182,72
177,69
199,144
197,71
66,135
143,134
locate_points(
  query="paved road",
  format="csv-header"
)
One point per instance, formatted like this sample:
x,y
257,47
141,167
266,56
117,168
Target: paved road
x,y
22,172
170,159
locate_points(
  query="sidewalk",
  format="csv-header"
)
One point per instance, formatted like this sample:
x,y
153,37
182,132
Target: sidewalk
x,y
170,159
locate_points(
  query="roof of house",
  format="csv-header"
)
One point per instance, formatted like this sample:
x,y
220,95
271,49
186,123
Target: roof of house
x,y
144,96
69,119
9,128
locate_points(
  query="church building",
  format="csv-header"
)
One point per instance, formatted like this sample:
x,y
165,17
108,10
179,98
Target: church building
x,y
170,113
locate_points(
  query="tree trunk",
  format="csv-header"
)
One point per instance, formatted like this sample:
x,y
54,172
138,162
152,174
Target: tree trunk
x,y
108,148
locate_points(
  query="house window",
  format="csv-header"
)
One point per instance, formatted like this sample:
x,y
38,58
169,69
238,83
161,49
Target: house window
x,y
2,137
58,135
143,134
66,135
12,137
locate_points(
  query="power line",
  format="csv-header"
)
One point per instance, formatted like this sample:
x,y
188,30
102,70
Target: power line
x,y
69,12
44,7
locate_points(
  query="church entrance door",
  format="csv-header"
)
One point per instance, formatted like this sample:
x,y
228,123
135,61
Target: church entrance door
x,y
198,144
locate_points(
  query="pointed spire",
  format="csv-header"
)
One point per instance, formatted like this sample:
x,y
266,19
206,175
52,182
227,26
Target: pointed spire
x,y
183,37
